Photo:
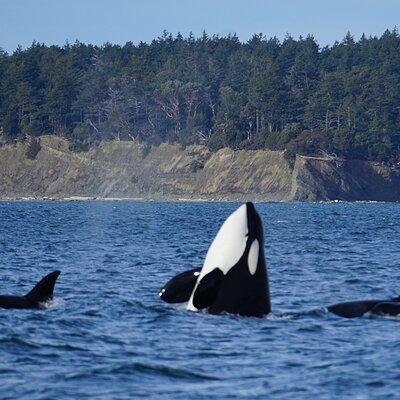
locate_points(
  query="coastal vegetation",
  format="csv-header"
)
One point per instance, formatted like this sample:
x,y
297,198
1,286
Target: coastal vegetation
x,y
289,95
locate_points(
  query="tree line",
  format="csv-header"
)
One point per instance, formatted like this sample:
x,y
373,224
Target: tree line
x,y
218,91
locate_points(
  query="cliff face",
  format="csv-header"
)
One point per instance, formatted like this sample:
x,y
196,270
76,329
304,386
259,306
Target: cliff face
x,y
350,180
127,169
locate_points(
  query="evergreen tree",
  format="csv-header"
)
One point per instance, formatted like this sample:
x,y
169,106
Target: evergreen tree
x,y
294,95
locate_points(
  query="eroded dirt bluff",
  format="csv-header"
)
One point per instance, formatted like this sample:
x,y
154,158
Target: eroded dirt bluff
x,y
168,172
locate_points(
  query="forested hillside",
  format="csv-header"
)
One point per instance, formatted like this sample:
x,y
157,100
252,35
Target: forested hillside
x,y
262,94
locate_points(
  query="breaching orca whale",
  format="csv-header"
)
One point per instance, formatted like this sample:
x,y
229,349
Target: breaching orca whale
x,y
354,309
41,293
234,277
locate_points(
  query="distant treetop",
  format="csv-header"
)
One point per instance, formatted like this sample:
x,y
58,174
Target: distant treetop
x,y
213,90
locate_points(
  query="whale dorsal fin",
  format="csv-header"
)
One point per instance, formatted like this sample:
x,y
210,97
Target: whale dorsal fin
x,y
43,291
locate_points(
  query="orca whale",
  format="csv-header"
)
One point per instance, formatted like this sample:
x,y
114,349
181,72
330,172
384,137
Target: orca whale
x,y
234,277
354,309
41,293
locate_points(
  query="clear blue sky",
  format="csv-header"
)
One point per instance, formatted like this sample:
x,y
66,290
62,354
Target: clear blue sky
x,y
119,21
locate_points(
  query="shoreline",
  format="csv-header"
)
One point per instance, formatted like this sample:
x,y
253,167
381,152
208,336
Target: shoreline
x,y
84,199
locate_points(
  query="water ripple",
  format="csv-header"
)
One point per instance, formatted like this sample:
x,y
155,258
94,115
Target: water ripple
x,y
106,335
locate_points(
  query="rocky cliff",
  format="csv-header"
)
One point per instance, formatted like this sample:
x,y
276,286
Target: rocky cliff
x,y
317,179
168,172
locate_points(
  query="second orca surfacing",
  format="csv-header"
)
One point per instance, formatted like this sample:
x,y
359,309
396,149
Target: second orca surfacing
x,y
234,277
40,294
354,309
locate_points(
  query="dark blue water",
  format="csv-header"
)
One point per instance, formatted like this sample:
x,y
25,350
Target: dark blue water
x,y
108,336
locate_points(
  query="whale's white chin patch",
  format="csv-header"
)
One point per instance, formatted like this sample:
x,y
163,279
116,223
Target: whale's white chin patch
x,y
227,247
252,258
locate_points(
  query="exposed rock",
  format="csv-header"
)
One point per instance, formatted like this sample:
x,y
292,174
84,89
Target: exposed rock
x,y
317,179
168,172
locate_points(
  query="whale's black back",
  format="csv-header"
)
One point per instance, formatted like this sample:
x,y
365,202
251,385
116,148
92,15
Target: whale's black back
x,y
354,309
15,302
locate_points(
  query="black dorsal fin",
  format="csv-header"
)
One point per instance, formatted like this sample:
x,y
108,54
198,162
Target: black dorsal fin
x,y
43,291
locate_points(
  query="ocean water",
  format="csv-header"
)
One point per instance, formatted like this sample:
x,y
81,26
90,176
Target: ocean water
x,y
107,335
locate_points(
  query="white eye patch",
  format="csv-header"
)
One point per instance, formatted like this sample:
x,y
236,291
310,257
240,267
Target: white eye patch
x,y
252,258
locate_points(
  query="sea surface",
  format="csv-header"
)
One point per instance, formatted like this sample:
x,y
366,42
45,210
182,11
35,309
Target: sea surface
x,y
107,335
